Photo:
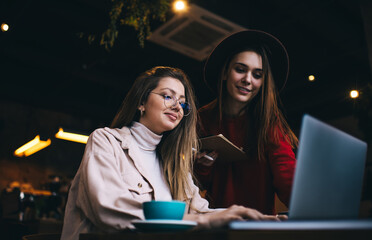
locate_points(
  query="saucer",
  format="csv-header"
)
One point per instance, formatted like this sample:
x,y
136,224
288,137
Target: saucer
x,y
163,225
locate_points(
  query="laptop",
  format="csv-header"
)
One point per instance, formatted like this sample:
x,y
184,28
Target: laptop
x,y
328,178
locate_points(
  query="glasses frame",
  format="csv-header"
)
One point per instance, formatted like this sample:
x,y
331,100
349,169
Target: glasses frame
x,y
175,101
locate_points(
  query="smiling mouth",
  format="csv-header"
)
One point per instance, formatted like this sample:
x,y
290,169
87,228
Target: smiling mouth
x,y
171,116
242,89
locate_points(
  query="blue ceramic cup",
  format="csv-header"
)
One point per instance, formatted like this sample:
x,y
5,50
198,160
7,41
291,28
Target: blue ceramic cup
x,y
165,210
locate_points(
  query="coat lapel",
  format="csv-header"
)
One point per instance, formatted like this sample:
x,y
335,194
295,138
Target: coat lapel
x,y
128,143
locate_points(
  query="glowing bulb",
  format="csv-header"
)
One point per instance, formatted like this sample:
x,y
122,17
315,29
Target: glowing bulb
x,y
179,5
4,27
354,94
311,78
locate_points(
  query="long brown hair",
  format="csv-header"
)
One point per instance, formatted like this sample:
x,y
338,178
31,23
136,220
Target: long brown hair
x,y
175,148
267,120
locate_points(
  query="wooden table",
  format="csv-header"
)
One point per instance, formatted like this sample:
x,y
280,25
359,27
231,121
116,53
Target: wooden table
x,y
322,233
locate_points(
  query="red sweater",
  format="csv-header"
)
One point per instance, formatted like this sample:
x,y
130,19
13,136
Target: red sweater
x,y
249,183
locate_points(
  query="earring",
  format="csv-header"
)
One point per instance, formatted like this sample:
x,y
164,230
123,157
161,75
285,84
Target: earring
x,y
141,110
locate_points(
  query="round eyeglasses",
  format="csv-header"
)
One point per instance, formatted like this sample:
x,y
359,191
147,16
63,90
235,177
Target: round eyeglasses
x,y
171,101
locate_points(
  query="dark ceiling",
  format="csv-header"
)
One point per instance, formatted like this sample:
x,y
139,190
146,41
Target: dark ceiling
x,y
45,64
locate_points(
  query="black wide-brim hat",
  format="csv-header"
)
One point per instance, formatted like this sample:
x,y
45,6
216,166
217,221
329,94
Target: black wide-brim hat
x,y
277,55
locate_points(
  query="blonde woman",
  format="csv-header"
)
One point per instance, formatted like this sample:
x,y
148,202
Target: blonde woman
x,y
145,155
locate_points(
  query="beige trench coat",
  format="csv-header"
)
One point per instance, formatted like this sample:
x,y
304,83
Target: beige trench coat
x,y
110,186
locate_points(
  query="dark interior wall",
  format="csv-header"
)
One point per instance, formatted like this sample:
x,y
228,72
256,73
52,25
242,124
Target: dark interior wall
x,y
20,124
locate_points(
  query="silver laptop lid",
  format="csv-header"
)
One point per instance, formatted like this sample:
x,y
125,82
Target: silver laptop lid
x,y
329,173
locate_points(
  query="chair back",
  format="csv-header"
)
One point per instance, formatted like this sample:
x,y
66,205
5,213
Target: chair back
x,y
42,236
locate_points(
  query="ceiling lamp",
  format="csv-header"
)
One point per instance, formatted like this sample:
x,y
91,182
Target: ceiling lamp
x,y
32,147
71,136
4,27
179,5
354,94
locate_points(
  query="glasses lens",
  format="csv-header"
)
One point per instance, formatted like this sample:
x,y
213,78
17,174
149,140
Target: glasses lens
x,y
186,108
171,101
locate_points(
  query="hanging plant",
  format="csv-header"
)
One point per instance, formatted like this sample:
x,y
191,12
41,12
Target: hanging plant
x,y
135,13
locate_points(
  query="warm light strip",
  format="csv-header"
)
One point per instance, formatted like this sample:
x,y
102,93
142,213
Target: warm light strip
x,y
71,136
32,147
37,147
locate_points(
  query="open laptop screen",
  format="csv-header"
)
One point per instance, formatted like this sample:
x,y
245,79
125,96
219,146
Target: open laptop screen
x,y
329,173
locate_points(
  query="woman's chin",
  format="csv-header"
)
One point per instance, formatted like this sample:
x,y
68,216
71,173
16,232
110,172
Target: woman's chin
x,y
169,126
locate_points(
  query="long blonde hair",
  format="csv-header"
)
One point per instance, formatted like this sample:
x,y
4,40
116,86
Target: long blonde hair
x,y
267,120
175,148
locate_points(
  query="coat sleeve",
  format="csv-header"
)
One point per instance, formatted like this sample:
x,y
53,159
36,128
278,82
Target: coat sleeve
x,y
283,163
103,196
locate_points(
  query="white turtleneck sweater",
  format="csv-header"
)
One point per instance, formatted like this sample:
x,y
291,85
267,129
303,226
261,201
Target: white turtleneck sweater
x,y
147,142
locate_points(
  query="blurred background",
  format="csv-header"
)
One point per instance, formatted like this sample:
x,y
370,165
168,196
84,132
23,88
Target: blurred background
x,y
56,72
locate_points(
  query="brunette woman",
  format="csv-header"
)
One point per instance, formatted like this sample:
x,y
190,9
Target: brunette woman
x,y
246,71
